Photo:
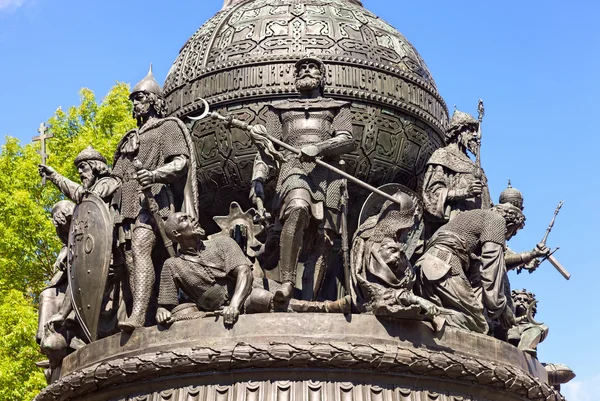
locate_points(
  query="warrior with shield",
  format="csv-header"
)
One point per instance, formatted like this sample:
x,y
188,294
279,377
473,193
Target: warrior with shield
x,y
308,199
94,174
382,276
446,273
155,166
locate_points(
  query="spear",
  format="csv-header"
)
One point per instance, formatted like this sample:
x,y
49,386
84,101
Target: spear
x,y
264,138
481,113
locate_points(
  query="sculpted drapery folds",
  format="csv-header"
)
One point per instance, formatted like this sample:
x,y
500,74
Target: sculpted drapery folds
x,y
154,165
448,278
453,183
308,197
55,306
382,277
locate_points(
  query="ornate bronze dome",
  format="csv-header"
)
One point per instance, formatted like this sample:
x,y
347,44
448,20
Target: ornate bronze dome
x,y
243,58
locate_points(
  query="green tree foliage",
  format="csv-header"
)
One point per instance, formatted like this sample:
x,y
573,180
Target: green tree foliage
x,y
20,379
29,244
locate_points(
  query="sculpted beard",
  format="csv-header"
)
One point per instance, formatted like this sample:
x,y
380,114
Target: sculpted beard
x,y
307,83
87,179
141,109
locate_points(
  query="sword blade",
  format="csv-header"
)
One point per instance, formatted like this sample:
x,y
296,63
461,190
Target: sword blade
x,y
559,267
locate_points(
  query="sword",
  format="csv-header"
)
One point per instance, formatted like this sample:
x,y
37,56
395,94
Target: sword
x,y
246,127
153,206
550,257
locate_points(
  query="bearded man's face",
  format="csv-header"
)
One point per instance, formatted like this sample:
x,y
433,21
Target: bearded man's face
x,y
308,76
86,174
141,104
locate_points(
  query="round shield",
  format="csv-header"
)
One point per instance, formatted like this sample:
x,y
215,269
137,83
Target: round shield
x,y
374,203
90,246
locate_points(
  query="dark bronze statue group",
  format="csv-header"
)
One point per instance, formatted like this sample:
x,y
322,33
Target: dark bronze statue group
x,y
134,254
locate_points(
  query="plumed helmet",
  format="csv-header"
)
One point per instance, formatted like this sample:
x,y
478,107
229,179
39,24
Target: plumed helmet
x,y
315,60
148,84
458,121
88,154
512,195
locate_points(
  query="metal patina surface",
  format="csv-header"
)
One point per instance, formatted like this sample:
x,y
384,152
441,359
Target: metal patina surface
x,y
314,105
243,58
300,357
89,245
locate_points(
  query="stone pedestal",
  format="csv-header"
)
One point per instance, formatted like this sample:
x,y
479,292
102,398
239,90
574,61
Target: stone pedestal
x,y
297,357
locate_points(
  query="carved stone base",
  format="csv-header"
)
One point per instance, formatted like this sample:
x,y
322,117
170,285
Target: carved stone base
x,y
294,357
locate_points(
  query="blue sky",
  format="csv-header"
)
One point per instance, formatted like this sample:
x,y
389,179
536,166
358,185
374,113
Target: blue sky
x,y
535,64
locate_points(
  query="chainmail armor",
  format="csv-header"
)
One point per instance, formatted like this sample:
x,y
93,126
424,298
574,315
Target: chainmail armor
x,y
299,128
159,140
476,227
205,277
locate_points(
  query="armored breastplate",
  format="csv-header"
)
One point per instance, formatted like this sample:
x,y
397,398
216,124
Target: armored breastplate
x,y
303,127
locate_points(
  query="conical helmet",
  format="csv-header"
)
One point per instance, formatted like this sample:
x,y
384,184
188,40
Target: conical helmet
x,y
148,84
512,195
88,154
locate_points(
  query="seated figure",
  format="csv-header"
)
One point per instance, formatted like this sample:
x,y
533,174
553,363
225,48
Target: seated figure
x,y
382,276
216,276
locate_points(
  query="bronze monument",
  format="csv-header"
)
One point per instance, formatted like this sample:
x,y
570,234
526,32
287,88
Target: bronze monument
x,y
265,253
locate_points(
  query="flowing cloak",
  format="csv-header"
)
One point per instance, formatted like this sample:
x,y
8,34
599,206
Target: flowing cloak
x,y
444,270
372,280
153,144
450,169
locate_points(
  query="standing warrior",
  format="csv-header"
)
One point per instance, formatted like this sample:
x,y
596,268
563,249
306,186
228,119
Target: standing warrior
x,y
308,197
453,183
94,174
155,166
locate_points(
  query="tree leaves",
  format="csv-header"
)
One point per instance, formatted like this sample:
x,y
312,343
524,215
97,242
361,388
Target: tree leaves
x,y
29,243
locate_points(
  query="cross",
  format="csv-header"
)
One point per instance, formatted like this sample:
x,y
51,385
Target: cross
x,y
42,138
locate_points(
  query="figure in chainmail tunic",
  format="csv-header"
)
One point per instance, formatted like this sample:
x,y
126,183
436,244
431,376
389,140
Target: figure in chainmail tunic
x,y
308,197
216,276
453,183
154,165
445,270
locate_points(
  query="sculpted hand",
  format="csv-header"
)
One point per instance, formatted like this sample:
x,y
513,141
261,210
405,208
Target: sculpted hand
x,y
230,315
145,177
46,170
475,189
309,153
57,319
257,192
541,251
163,316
